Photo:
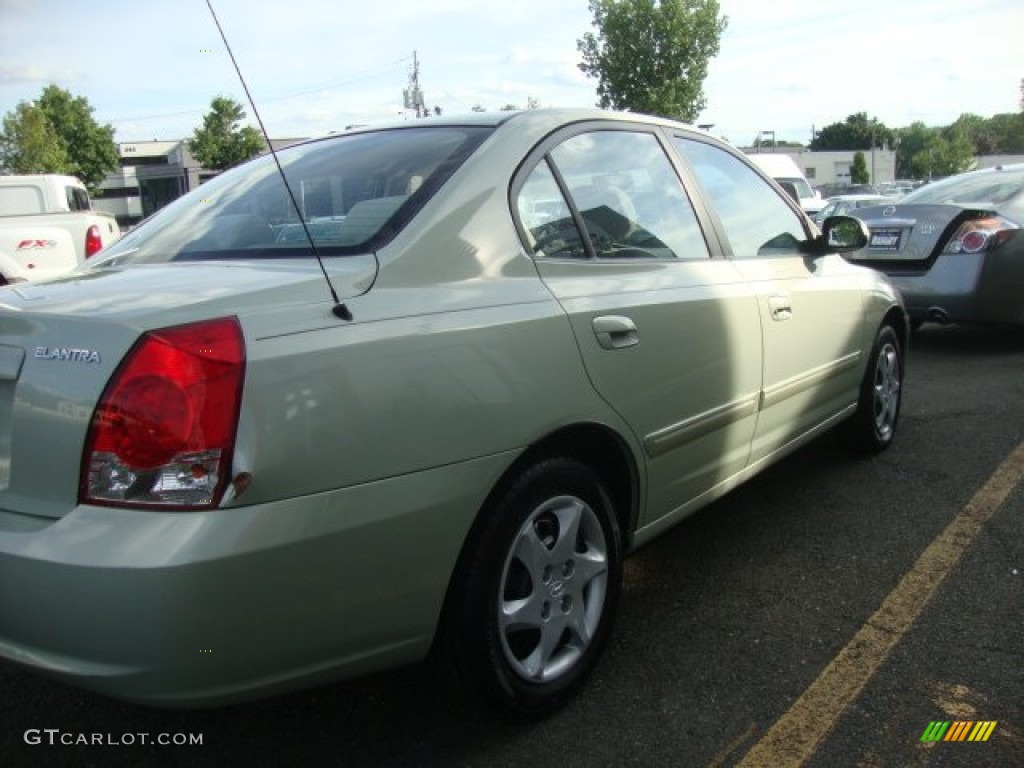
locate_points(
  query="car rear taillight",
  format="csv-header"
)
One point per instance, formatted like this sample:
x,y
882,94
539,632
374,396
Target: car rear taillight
x,y
981,234
164,430
93,241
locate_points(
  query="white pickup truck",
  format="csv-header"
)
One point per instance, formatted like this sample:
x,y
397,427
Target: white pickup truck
x,y
48,227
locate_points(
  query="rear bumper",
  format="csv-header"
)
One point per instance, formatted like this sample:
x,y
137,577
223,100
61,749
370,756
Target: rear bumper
x,y
192,609
987,288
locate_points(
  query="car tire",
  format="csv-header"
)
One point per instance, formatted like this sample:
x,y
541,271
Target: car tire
x,y
535,597
872,427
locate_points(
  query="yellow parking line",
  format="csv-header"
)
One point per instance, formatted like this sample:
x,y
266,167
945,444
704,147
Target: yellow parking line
x,y
795,736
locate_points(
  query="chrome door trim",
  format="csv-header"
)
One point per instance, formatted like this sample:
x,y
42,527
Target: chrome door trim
x,y
794,386
675,435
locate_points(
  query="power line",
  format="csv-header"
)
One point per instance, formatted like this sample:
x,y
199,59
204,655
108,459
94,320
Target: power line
x,y
366,74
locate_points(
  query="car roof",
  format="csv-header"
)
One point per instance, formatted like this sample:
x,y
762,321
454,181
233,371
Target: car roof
x,y
554,116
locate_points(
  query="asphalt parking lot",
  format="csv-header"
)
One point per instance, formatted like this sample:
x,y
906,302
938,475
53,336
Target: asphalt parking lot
x,y
824,614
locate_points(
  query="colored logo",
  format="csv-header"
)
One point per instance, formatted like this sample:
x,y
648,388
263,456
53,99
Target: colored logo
x,y
959,730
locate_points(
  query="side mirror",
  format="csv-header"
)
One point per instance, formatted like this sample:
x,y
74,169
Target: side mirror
x,y
842,234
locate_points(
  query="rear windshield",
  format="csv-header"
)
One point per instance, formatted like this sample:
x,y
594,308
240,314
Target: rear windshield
x,y
994,187
355,192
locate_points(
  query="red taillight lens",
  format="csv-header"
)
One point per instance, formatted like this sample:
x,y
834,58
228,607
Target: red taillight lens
x,y
93,241
164,430
982,234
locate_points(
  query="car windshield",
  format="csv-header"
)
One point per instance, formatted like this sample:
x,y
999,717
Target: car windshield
x,y
992,187
355,192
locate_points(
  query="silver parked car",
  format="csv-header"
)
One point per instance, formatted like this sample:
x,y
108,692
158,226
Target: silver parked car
x,y
427,396
954,247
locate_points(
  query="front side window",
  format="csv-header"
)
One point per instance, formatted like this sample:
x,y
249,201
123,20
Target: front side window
x,y
627,195
757,221
354,192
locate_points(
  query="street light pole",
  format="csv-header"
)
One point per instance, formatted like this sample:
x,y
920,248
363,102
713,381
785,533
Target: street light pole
x,y
872,154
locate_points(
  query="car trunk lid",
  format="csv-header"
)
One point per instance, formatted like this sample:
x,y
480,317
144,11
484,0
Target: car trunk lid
x,y
908,238
61,341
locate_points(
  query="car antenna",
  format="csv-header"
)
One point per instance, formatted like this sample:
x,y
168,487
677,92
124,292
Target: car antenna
x,y
339,309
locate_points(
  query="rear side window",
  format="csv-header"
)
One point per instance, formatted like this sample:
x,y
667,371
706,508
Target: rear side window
x,y
627,196
545,214
354,193
757,221
77,199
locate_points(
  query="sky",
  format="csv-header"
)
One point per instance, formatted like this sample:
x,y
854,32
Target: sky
x,y
151,69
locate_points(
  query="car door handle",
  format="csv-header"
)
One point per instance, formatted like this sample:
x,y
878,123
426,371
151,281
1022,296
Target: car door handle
x,y
615,332
780,307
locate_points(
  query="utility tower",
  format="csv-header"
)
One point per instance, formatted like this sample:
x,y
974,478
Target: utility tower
x,y
413,94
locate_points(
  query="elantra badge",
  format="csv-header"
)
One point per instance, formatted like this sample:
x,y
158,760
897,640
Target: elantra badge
x,y
67,355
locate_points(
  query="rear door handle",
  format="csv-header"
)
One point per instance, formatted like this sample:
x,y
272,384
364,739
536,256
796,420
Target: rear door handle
x,y
780,307
615,332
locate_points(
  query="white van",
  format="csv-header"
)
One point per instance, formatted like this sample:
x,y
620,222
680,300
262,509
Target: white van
x,y
783,168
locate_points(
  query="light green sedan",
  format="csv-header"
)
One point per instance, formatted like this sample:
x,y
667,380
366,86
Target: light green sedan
x,y
423,398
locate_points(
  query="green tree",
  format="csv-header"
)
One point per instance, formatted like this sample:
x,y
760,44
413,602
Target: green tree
x,y
221,143
29,144
856,132
859,170
959,152
1008,131
89,145
997,135
652,55
58,134
912,140
941,156
979,131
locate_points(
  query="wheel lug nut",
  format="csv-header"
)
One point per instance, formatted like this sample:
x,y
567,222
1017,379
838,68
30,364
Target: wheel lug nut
x,y
566,604
545,611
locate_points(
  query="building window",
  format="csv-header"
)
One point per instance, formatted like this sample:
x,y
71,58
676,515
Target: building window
x,y
145,160
810,172
116,192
